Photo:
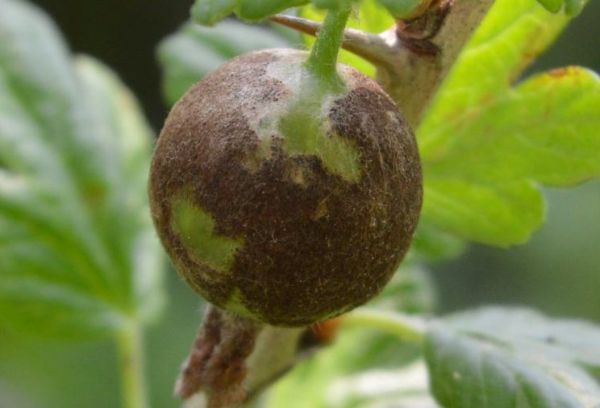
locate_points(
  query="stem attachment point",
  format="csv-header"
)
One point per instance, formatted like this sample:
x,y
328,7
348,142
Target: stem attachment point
x,y
323,57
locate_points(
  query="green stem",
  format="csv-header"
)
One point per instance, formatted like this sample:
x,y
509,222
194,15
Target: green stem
x,y
323,56
406,328
130,345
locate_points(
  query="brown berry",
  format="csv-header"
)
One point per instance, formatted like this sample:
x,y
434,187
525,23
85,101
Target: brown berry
x,y
283,199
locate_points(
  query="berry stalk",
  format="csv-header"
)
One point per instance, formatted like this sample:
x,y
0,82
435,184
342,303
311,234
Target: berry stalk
x,y
323,57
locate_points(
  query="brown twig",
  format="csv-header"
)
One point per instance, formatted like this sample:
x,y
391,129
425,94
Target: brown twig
x,y
368,46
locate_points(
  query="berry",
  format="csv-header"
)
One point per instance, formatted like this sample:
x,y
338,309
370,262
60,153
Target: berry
x,y
280,197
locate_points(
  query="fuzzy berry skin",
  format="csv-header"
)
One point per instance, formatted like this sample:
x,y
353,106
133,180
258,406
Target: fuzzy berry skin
x,y
280,200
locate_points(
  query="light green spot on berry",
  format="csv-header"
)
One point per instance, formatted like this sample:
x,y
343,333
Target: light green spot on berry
x,y
305,134
195,228
235,304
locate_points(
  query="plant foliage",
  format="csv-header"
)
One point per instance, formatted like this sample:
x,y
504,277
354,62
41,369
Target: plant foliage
x,y
504,358
490,139
78,255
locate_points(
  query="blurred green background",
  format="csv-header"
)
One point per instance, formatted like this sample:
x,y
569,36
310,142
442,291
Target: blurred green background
x,y
558,272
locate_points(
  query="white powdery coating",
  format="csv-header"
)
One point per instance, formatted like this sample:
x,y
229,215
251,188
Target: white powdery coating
x,y
287,71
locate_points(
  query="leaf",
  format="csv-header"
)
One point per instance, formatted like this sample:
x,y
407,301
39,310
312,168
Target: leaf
x,y
194,51
411,290
330,4
325,379
405,9
209,12
430,244
399,388
574,7
571,7
487,144
499,214
552,5
256,10
78,256
497,358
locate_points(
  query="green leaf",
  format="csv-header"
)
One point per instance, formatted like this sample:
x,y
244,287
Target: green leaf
x,y
194,51
571,7
430,244
317,384
330,4
78,256
510,38
498,214
545,129
574,7
411,290
487,144
256,10
209,12
505,358
321,381
552,5
403,8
